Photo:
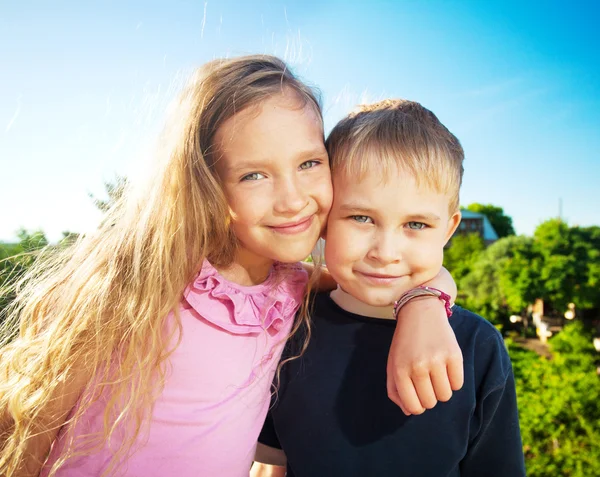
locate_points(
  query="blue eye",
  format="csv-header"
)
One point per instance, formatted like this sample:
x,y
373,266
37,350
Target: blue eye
x,y
309,164
253,176
362,219
416,225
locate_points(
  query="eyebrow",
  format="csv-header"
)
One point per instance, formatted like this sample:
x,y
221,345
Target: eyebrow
x,y
316,153
356,208
244,166
409,218
423,218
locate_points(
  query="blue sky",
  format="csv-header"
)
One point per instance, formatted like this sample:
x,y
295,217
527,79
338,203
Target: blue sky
x,y
83,87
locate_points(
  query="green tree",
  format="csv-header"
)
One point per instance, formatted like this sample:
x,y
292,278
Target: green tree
x,y
502,280
15,259
589,297
502,223
570,268
31,241
462,254
559,264
559,406
114,191
520,276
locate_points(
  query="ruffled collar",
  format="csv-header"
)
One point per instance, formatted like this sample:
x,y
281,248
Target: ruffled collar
x,y
248,309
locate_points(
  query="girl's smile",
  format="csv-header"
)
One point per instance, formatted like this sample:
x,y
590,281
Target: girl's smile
x,y
296,227
274,170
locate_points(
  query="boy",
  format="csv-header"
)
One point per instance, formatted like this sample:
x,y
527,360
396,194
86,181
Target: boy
x,y
397,173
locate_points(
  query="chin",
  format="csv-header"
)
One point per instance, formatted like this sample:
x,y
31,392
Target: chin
x,y
291,255
377,299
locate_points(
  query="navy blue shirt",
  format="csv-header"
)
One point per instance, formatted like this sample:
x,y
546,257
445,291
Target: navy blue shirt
x,y
332,416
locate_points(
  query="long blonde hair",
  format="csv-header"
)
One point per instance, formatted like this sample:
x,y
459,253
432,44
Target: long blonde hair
x,y
102,303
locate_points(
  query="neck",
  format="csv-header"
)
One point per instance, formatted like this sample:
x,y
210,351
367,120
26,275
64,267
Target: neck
x,y
247,269
353,305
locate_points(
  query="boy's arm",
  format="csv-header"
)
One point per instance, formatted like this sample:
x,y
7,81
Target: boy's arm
x,y
425,362
497,449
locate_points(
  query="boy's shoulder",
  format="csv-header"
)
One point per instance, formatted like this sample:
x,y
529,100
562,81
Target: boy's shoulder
x,y
482,346
464,320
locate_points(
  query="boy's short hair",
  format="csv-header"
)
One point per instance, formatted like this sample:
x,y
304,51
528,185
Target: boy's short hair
x,y
396,133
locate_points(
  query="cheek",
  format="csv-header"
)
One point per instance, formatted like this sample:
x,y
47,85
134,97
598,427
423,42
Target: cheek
x,y
343,245
247,209
426,255
334,249
319,187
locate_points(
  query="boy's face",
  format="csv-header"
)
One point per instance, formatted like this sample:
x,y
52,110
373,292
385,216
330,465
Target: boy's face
x,y
385,237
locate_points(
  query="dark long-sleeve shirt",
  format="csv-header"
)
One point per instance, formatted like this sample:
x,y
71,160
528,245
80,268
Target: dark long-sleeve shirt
x,y
332,416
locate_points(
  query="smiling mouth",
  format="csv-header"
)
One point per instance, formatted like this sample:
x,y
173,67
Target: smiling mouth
x,y
291,228
379,278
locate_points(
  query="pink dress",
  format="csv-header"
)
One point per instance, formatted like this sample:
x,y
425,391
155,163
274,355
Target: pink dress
x,y
216,395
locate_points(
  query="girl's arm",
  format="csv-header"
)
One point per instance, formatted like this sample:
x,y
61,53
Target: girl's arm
x,y
270,455
425,362
265,470
268,462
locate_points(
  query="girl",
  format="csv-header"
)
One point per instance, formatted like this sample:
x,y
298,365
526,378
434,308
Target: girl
x,y
150,346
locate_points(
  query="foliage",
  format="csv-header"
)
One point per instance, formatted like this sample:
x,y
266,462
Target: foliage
x,y
15,259
114,190
520,275
570,264
502,280
463,252
31,241
559,264
559,406
502,223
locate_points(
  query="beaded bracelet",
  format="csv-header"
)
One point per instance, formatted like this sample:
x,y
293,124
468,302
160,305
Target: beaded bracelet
x,y
423,291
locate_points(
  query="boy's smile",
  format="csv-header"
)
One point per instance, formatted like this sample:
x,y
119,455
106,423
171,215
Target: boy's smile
x,y
386,235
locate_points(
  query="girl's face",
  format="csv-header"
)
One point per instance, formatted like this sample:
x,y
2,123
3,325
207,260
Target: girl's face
x,y
274,170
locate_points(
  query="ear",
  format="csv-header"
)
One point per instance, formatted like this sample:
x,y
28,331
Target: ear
x,y
453,223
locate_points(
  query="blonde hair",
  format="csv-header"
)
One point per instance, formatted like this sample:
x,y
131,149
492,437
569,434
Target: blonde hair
x,y
397,133
102,303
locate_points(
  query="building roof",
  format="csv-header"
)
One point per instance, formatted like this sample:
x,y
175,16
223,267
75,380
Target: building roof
x,y
488,230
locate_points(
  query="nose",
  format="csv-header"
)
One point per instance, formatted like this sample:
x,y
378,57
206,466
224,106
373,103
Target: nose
x,y
290,197
386,248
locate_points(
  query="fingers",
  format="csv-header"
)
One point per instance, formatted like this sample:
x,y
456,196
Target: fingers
x,y
441,384
424,390
407,393
455,371
425,385
393,394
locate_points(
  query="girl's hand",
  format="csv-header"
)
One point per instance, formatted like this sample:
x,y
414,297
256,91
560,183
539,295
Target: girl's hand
x,y
425,362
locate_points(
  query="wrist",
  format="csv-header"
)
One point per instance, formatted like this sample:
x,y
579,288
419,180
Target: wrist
x,y
423,292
